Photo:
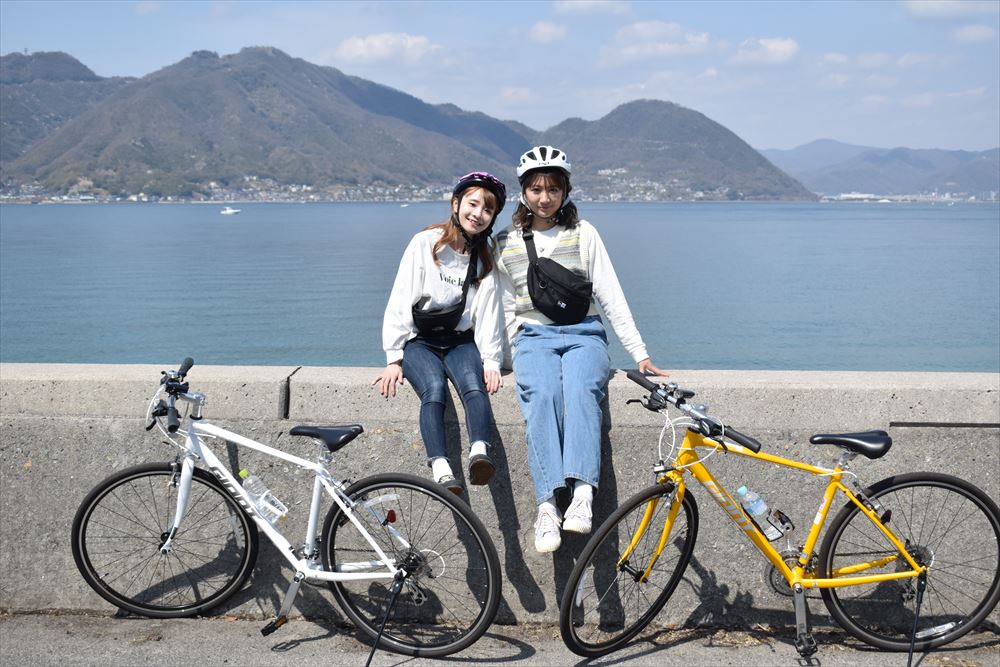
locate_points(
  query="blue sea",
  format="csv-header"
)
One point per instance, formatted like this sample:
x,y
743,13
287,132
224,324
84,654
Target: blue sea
x,y
861,286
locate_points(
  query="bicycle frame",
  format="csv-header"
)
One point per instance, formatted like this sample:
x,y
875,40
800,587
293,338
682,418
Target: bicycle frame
x,y
195,449
688,461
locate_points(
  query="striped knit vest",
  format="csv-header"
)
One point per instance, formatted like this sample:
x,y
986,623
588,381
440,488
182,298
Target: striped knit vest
x,y
514,255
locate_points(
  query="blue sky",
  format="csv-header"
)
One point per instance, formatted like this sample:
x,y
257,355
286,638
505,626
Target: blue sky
x,y
923,74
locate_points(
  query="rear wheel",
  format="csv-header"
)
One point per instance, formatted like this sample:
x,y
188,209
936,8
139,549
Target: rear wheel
x,y
608,603
452,587
123,522
947,525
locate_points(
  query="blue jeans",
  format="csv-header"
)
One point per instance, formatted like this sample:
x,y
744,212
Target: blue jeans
x,y
562,376
428,363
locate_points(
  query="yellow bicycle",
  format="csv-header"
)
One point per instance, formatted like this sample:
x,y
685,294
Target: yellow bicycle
x,y
911,562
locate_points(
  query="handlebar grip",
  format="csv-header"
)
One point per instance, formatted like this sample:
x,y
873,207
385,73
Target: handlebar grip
x,y
185,366
173,420
744,440
640,379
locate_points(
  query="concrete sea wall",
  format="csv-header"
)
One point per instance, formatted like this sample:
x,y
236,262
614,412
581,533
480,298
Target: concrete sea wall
x,y
63,428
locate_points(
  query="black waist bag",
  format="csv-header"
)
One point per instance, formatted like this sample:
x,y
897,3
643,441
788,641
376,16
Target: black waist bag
x,y
561,295
441,321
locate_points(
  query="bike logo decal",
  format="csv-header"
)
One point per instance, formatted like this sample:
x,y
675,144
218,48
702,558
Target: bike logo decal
x,y
231,488
731,508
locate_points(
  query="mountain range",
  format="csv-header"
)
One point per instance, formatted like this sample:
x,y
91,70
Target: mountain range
x,y
208,124
831,167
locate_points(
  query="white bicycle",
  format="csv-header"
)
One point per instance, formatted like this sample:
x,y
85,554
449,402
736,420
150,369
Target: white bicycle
x,y
408,562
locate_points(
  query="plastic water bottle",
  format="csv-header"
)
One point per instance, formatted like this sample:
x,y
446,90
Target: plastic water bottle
x,y
757,509
272,509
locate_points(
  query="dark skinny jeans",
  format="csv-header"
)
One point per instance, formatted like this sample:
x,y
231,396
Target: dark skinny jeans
x,y
428,364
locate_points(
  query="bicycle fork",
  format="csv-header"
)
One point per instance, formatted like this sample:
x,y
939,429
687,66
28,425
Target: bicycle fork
x,y
182,480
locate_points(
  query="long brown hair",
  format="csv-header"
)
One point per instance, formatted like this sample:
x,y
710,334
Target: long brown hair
x,y
450,233
567,215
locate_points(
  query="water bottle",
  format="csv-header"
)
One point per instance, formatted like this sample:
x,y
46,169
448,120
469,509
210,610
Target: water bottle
x,y
272,509
757,510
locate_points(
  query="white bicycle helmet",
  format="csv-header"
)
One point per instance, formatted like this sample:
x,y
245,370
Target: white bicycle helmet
x,y
542,157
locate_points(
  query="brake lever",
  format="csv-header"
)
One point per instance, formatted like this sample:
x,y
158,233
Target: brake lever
x,y
159,411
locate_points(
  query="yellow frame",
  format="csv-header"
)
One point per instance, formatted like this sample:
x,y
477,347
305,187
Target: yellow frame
x,y
688,461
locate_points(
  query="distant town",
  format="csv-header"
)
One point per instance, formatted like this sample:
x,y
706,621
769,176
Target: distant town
x,y
254,189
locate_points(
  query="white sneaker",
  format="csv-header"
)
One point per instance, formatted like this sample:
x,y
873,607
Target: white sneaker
x,y
578,516
547,537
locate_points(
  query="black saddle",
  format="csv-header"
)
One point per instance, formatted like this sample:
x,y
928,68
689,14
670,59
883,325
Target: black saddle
x,y
871,444
334,437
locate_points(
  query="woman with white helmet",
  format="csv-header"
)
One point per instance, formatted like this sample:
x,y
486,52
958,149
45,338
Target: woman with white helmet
x,y
444,320
558,343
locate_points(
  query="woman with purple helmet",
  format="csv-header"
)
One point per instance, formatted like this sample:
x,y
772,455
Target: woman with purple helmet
x,y
444,319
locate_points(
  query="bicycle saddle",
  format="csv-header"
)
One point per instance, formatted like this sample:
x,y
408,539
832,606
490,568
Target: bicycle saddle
x,y
871,444
334,437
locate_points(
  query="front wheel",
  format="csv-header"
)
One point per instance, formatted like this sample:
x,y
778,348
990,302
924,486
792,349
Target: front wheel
x,y
123,522
452,587
947,525
609,599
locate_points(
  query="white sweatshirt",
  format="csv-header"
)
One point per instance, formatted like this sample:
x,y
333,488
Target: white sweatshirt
x,y
419,276
600,271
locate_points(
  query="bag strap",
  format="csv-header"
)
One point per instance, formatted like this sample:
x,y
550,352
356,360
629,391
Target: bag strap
x,y
470,274
529,244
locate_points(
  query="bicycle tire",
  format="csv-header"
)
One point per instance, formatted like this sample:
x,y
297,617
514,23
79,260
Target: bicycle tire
x,y
947,524
452,593
121,524
595,617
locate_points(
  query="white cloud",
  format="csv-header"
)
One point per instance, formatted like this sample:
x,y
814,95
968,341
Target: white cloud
x,y
590,7
971,34
654,39
710,73
873,60
544,32
766,51
834,81
874,101
516,95
921,101
950,8
834,58
913,58
880,81
971,92
147,7
386,46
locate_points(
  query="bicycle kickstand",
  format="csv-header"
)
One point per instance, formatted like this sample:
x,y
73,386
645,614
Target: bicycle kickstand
x,y
293,590
397,586
805,644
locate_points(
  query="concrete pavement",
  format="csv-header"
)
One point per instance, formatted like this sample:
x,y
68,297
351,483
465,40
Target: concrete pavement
x,y
69,640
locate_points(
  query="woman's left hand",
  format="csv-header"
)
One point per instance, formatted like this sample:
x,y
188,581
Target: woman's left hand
x,y
493,381
647,368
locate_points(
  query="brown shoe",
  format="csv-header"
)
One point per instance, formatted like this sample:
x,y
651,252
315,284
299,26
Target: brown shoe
x,y
480,469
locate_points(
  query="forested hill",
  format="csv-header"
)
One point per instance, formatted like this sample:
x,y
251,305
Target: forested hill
x,y
680,149
208,122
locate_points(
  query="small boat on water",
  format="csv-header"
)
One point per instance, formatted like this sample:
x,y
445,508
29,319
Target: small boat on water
x,y
229,210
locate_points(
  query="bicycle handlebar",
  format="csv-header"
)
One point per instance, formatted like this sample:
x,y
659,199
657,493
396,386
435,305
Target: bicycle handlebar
x,y
173,383
173,419
661,394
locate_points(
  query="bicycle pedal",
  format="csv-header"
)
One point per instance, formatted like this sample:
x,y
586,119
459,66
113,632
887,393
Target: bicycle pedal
x,y
805,644
273,625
